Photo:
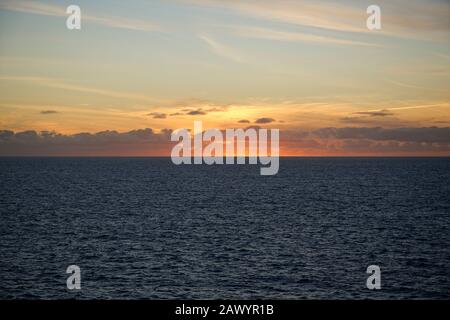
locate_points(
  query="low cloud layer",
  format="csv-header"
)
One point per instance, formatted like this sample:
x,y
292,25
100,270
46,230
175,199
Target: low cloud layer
x,y
135,142
368,141
147,142
427,135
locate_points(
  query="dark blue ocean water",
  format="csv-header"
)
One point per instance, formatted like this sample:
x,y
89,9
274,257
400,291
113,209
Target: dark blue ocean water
x,y
145,228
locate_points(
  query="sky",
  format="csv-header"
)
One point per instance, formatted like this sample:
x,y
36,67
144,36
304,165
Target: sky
x,y
139,69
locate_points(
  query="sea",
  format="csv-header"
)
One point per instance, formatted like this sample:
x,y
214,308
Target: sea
x,y
144,228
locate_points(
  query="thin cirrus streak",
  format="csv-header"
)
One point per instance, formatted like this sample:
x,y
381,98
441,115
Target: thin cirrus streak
x,y
406,85
61,84
278,35
33,7
308,13
425,106
403,18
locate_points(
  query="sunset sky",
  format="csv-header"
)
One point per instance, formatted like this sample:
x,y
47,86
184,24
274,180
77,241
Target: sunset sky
x,y
309,68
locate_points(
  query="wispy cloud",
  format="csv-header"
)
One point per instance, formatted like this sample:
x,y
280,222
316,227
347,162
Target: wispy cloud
x,y
33,7
222,49
278,35
401,18
411,86
425,106
306,13
61,84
